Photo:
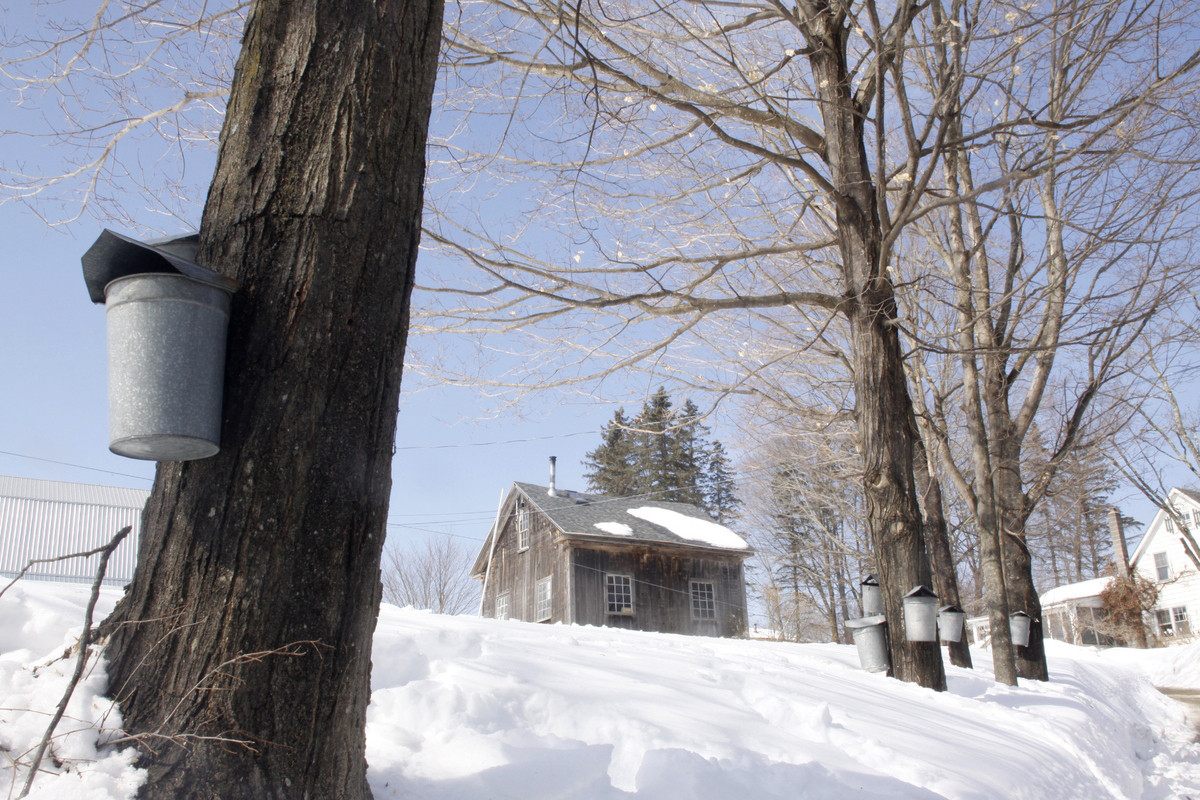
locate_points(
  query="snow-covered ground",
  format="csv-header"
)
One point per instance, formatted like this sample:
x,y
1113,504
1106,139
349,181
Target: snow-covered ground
x,y
468,709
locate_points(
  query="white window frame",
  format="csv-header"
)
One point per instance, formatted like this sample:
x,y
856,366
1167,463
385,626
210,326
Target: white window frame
x,y
543,608
704,609
504,606
618,586
1179,621
1162,566
1196,517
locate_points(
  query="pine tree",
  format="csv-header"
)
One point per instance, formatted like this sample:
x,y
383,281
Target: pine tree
x,y
610,468
664,454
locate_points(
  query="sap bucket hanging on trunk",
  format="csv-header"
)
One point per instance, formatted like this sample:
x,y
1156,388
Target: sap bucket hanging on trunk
x,y
872,598
870,638
950,623
1018,628
167,318
920,615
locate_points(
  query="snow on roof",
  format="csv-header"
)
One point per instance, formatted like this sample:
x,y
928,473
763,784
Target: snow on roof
x,y
1075,591
615,528
691,528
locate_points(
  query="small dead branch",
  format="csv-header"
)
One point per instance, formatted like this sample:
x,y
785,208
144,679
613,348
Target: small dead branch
x,y
80,658
105,549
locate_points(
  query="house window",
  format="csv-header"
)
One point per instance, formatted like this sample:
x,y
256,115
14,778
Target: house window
x,y
1180,620
618,593
522,529
1170,525
1196,517
704,602
503,606
1172,621
1162,566
543,599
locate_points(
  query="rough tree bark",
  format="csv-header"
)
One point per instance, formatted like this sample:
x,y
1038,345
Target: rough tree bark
x,y
937,540
882,406
241,652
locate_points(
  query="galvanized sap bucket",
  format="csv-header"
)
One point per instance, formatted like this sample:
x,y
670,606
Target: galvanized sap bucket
x,y
872,597
950,623
870,637
1019,624
167,319
920,615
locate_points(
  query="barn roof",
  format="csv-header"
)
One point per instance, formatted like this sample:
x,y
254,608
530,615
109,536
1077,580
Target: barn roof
x,y
630,520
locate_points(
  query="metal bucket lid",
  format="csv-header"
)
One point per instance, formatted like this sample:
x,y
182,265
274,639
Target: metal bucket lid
x,y
115,256
866,622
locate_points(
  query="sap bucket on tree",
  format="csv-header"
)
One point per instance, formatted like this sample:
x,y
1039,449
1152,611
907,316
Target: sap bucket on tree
x,y
920,615
872,597
870,638
167,319
950,623
1018,628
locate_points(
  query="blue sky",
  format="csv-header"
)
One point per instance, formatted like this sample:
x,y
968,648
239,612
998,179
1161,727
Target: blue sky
x,y
451,463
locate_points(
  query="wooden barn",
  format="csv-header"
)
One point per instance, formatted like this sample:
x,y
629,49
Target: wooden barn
x,y
561,556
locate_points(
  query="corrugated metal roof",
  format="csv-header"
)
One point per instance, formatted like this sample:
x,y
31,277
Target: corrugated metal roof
x,y
45,519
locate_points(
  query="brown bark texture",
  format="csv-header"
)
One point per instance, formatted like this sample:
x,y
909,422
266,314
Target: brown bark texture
x,y
241,652
883,407
937,541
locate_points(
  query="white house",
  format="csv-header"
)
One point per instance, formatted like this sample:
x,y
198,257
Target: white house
x,y
41,520
1162,557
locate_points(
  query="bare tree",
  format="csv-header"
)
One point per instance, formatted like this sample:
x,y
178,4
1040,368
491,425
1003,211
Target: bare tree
x,y
434,575
130,98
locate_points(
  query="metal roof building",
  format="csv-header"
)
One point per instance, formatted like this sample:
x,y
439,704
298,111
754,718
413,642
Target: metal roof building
x,y
44,519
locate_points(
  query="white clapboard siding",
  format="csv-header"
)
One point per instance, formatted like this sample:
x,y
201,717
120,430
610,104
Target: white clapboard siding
x,y
44,519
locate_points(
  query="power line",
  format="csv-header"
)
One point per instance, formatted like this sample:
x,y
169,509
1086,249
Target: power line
x,y
76,466
489,444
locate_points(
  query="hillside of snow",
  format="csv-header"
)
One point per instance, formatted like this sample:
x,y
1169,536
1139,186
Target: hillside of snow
x,y
468,709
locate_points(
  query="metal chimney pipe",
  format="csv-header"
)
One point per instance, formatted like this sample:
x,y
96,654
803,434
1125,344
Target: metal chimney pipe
x,y
553,462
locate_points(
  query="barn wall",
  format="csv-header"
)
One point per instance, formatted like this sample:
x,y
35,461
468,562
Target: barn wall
x,y
44,519
516,571
661,592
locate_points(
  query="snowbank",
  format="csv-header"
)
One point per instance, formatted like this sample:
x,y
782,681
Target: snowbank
x,y
464,708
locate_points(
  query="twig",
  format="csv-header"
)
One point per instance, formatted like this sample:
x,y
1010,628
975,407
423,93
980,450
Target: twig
x,y
85,554
81,656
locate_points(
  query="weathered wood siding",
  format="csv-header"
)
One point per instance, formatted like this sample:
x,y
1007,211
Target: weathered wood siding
x,y
662,598
516,571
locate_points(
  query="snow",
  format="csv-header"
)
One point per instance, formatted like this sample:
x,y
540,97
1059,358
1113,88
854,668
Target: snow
x,y
1074,591
615,528
691,528
465,708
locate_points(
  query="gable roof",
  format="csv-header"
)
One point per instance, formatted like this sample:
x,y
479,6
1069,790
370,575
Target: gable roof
x,y
591,517
1159,522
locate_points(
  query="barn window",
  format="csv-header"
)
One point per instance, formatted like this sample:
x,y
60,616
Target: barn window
x,y
503,606
522,529
1162,566
543,599
704,602
618,592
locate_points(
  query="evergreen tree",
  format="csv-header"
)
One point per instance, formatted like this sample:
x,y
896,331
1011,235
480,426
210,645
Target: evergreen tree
x,y
611,468
664,454
719,496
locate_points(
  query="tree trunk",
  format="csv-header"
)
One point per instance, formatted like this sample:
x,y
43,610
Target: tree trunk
x,y
937,539
241,652
882,406
1018,561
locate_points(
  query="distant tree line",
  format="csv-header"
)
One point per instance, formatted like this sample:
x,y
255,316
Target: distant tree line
x,y
666,454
